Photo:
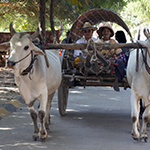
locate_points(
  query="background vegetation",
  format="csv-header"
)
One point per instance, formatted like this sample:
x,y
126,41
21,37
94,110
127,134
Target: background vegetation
x,y
25,13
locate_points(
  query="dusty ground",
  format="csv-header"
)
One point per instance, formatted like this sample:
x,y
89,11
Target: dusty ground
x,y
8,88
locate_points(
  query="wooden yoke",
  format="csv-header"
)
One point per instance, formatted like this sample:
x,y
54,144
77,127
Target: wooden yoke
x,y
99,46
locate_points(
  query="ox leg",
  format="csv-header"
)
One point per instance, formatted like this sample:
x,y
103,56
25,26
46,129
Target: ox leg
x,y
135,115
145,116
33,115
42,133
48,107
42,115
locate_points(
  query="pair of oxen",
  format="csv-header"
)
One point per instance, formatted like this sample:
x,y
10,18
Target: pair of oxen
x,y
36,81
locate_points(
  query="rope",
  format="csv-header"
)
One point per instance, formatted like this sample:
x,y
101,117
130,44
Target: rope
x,y
86,50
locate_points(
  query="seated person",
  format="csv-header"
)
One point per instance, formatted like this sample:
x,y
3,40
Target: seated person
x,y
121,38
105,33
65,41
87,31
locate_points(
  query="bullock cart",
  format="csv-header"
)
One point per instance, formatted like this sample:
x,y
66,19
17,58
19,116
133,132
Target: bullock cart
x,y
97,70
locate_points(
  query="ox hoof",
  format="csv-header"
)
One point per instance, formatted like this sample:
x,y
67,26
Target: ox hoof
x,y
35,137
135,137
43,136
144,139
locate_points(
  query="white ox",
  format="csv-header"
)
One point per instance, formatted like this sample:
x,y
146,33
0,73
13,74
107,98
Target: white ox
x,y
140,88
35,81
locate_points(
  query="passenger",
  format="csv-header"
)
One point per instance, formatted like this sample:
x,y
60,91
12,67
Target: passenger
x,y
121,38
105,33
87,31
65,41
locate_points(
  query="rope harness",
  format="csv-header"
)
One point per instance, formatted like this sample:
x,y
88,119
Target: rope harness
x,y
145,60
28,69
111,61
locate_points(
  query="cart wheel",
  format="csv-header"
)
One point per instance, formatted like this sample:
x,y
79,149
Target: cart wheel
x,y
62,98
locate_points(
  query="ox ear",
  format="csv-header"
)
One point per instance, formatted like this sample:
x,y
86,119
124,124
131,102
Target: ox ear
x,y
5,46
12,30
37,51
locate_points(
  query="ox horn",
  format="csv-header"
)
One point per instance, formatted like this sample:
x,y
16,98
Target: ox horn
x,y
12,30
34,35
146,33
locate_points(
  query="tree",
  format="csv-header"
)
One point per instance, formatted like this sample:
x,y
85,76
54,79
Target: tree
x,y
136,13
25,14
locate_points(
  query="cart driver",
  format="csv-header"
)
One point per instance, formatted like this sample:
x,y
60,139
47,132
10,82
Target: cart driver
x,y
87,31
105,33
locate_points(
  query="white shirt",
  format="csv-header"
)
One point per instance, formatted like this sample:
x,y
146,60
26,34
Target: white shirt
x,y
82,40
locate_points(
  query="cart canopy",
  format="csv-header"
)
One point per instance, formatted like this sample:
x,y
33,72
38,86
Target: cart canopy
x,y
95,16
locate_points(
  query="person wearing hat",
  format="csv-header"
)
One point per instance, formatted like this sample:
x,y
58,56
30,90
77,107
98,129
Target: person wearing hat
x,y
87,31
105,33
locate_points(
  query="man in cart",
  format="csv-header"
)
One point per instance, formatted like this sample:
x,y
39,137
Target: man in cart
x,y
87,31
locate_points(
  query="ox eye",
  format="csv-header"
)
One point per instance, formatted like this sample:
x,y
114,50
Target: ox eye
x,y
26,47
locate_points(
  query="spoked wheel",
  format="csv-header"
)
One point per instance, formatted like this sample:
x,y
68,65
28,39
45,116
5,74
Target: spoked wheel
x,y
63,91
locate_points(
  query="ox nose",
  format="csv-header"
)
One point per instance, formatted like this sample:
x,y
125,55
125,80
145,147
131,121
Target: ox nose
x,y
10,64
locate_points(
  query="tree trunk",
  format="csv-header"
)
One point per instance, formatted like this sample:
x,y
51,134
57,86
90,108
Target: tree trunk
x,y
42,21
52,21
42,27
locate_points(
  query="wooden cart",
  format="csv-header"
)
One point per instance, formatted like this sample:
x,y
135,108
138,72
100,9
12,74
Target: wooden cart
x,y
97,70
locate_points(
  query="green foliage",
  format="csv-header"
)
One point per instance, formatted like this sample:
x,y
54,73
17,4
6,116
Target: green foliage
x,y
135,14
85,5
138,11
25,13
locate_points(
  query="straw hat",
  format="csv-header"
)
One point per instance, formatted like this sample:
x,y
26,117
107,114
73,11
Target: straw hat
x,y
106,25
87,25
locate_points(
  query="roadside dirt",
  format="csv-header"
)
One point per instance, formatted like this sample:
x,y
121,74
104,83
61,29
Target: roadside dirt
x,y
8,88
